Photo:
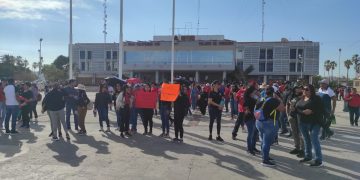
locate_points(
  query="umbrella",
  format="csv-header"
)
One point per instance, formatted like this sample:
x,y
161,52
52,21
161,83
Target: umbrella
x,y
112,81
182,81
133,80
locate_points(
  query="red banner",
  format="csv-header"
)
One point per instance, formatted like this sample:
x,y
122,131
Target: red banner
x,y
169,92
145,99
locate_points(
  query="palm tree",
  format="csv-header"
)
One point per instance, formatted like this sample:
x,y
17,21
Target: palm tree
x,y
26,63
327,67
356,61
347,64
333,66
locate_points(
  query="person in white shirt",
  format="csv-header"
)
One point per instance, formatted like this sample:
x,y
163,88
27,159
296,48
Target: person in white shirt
x,y
12,107
327,95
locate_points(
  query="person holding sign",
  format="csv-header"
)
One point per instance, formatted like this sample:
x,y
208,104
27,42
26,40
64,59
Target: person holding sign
x,y
216,105
169,93
147,112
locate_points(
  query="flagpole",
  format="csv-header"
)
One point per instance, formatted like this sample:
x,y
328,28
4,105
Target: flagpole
x,y
70,45
121,45
173,43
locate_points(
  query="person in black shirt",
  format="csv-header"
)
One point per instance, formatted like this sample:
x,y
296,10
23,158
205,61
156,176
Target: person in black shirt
x,y
181,105
268,126
215,109
249,119
101,105
26,104
310,111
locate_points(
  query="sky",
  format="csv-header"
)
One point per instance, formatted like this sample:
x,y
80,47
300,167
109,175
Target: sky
x,y
333,23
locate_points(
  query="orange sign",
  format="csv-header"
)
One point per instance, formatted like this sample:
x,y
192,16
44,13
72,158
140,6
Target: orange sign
x,y
169,92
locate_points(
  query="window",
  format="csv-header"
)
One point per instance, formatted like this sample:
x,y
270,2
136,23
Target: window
x,y
115,55
261,66
108,54
299,67
269,54
114,66
292,67
300,53
89,53
269,67
82,54
82,66
262,53
293,54
108,66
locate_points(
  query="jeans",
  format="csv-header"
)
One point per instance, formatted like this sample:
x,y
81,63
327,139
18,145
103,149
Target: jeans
x,y
11,111
310,134
118,117
267,131
252,134
103,116
354,111
164,113
234,107
2,113
57,118
215,114
134,112
239,121
33,110
73,108
282,121
125,119
193,102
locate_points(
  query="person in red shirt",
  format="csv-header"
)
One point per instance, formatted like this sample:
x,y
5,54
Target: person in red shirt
x,y
354,103
241,110
227,97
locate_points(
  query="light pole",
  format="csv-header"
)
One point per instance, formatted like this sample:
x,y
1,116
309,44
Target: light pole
x,y
339,66
121,44
40,58
300,58
173,43
70,45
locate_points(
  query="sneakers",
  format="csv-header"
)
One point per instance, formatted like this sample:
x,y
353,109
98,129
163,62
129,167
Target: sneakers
x,y
7,132
122,135
145,133
316,164
294,151
127,134
210,137
233,137
181,140
305,160
166,135
176,140
257,151
101,129
68,137
251,152
55,139
268,164
108,129
51,134
162,135
301,154
14,132
219,139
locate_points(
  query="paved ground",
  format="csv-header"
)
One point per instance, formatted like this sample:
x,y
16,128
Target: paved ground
x,y
32,155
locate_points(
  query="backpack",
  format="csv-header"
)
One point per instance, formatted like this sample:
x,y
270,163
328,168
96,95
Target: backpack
x,y
259,113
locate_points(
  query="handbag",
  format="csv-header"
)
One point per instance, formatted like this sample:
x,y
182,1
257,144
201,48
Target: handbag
x,y
90,105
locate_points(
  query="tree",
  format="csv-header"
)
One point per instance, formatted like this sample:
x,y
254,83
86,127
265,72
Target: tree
x,y
333,66
356,61
239,74
347,63
327,67
52,73
15,67
61,61
26,63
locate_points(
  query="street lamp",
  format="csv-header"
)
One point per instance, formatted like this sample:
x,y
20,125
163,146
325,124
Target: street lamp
x,y
339,66
40,58
300,59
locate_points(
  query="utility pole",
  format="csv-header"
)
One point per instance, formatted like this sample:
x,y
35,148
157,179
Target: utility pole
x,y
70,45
40,59
339,66
121,45
173,43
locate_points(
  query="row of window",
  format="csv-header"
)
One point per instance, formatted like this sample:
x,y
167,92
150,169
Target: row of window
x,y
110,66
268,67
109,55
265,53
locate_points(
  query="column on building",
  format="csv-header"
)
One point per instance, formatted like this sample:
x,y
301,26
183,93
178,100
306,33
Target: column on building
x,y
265,78
156,76
223,76
197,76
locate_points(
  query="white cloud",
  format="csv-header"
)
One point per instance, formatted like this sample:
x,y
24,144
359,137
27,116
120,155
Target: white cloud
x,y
37,9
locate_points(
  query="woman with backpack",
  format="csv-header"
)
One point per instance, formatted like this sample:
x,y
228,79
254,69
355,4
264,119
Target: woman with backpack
x,y
266,123
310,112
82,102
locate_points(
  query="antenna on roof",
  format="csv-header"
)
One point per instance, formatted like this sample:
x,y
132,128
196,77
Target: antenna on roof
x,y
198,18
263,21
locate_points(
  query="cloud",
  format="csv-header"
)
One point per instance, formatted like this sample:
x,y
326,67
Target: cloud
x,y
38,9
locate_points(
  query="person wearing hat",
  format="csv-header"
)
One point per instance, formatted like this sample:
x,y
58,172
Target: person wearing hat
x,y
216,105
82,103
327,95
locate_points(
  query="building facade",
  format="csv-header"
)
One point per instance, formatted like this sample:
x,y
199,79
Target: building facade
x,y
201,58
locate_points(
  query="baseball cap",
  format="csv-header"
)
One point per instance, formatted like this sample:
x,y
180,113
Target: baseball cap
x,y
324,81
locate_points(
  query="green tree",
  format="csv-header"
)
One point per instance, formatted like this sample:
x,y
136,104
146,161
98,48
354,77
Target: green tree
x,y
15,67
52,73
239,74
61,61
347,63
356,61
332,67
327,67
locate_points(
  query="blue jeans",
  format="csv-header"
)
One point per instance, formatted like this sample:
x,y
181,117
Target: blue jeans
x,y
193,102
133,117
2,113
310,134
282,121
103,116
252,134
73,108
267,132
118,118
164,113
234,107
11,111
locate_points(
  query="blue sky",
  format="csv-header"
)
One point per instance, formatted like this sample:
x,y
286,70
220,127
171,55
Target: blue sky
x,y
333,23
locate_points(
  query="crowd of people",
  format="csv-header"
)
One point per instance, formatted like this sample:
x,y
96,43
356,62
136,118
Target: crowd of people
x,y
260,110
